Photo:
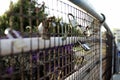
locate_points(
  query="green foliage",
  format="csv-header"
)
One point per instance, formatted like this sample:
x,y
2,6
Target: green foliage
x,y
11,18
27,13
3,23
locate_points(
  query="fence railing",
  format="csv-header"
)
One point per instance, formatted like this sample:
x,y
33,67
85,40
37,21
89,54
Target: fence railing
x,y
56,40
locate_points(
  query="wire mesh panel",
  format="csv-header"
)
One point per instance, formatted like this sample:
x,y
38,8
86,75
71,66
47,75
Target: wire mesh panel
x,y
107,57
51,40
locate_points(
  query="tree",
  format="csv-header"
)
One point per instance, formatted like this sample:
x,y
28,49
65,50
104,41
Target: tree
x,y
21,12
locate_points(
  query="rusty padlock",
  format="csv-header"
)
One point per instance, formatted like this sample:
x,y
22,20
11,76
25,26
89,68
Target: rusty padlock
x,y
18,41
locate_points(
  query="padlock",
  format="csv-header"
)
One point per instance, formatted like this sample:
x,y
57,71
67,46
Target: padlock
x,y
78,62
12,34
88,32
65,36
93,29
52,26
81,29
29,29
84,45
44,27
72,21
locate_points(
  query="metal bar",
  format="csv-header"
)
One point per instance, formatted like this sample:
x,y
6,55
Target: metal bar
x,y
100,53
113,56
84,4
6,44
21,16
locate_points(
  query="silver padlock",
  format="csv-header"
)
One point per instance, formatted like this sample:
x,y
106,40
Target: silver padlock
x,y
84,45
18,41
72,21
88,32
11,34
81,29
91,29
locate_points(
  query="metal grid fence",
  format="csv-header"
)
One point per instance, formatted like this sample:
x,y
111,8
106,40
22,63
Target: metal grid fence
x,y
54,40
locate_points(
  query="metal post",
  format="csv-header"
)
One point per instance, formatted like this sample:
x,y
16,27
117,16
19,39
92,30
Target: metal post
x,y
112,56
118,62
100,77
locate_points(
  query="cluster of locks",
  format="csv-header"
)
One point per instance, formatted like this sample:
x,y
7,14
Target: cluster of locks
x,y
53,25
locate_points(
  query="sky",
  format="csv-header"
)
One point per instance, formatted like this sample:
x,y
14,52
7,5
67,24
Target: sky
x,y
110,8
4,5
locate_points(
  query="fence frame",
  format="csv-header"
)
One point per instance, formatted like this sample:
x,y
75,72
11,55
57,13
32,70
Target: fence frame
x,y
97,60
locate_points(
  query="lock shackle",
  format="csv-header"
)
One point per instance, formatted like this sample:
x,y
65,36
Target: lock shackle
x,y
11,33
70,14
73,21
